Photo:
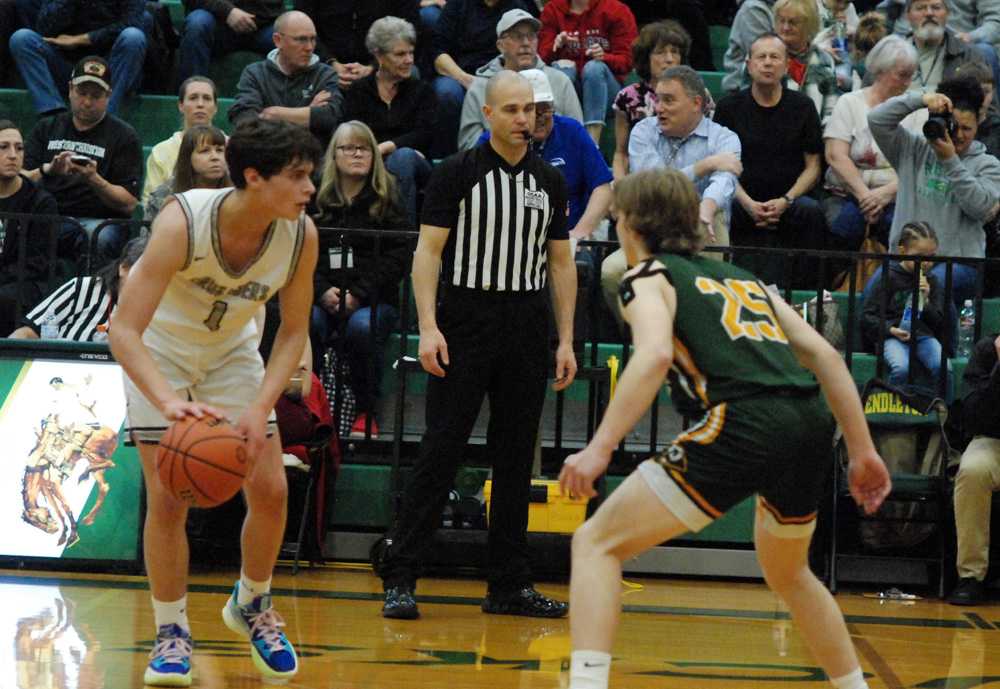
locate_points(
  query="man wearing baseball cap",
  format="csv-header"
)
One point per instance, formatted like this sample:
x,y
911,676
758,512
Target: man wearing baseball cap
x,y
463,41
90,160
517,41
64,31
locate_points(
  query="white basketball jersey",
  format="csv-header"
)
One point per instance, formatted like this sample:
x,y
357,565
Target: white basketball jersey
x,y
207,302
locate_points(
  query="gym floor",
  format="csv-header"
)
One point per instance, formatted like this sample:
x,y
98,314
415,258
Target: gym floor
x,y
85,631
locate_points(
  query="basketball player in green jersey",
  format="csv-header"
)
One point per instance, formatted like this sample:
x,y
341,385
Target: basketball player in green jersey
x,y
736,354
184,333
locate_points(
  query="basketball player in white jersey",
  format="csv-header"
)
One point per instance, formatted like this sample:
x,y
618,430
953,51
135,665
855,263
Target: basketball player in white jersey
x,y
183,333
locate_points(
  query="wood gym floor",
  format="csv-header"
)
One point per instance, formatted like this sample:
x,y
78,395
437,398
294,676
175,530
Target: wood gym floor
x,y
74,631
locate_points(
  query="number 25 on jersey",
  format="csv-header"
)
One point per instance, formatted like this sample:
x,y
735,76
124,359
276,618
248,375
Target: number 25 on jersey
x,y
740,295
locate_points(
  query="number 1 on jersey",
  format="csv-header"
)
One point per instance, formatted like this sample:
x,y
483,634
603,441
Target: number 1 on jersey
x,y
215,317
739,295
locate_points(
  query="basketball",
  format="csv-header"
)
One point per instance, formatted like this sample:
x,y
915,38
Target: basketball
x,y
202,462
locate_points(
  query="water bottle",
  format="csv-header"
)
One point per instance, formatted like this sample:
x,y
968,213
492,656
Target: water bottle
x,y
50,330
966,329
842,57
906,322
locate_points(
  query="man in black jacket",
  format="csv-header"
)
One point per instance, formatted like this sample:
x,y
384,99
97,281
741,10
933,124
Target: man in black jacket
x,y
979,473
291,84
213,28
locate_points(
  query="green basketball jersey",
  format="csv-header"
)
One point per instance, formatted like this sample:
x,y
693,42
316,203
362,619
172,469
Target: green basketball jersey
x,y
728,344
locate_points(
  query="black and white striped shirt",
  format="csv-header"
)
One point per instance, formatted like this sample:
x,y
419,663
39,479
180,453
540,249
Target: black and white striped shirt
x,y
500,218
80,310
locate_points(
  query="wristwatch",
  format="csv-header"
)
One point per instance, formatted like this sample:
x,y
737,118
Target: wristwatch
x,y
788,198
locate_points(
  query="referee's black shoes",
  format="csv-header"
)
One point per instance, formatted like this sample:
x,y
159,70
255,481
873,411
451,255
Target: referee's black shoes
x,y
400,603
526,601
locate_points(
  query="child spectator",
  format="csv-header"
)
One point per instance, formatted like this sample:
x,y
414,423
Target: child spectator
x,y
925,320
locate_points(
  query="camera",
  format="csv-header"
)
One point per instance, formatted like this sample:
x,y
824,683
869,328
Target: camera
x,y
937,126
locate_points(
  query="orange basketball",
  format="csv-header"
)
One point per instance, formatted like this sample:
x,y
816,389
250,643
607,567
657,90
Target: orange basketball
x,y
202,462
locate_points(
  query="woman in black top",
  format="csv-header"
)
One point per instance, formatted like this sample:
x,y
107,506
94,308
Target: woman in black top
x,y
358,274
399,108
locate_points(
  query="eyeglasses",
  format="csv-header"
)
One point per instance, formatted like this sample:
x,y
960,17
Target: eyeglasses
x,y
353,150
301,40
521,36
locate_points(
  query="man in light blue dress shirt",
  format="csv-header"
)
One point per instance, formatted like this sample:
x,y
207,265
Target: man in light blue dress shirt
x,y
679,136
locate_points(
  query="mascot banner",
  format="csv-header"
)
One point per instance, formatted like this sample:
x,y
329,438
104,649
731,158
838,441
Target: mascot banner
x,y
71,489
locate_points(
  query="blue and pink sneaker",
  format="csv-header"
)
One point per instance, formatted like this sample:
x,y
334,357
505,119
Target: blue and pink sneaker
x,y
170,659
270,649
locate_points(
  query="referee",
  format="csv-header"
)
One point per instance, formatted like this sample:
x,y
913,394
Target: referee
x,y
494,231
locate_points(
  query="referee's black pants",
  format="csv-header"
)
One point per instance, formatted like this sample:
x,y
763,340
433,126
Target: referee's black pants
x,y
498,348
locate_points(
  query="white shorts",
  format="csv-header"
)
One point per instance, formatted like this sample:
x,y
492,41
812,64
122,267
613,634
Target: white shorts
x,y
225,376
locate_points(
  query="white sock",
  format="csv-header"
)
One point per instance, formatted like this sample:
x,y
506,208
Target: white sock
x,y
589,670
174,612
852,680
250,589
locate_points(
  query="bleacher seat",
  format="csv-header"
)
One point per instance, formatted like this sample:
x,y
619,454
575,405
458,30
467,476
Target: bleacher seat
x,y
718,37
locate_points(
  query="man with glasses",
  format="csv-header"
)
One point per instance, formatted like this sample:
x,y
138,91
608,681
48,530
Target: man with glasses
x,y
213,28
291,84
517,41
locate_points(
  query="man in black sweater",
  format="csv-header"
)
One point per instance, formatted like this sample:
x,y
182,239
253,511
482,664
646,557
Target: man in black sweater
x,y
979,473
90,161
213,28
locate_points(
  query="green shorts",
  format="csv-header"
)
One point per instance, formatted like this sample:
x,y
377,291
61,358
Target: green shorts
x,y
778,446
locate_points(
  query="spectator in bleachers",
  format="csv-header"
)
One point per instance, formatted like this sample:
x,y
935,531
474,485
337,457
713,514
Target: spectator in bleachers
x,y
197,100
659,46
939,49
989,115
682,137
950,182
517,41
397,107
977,477
64,31
860,181
291,84
200,164
81,309
214,28
359,282
782,142
343,28
591,42
810,68
926,320
464,40
872,28
754,19
975,24
89,160
18,194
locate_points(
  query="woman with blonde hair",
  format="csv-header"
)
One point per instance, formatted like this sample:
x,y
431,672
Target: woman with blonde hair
x,y
358,273
810,68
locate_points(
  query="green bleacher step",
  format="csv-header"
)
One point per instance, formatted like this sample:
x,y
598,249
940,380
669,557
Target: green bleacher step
x,y
363,499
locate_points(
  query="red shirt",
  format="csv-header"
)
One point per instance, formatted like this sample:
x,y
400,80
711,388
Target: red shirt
x,y
608,23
